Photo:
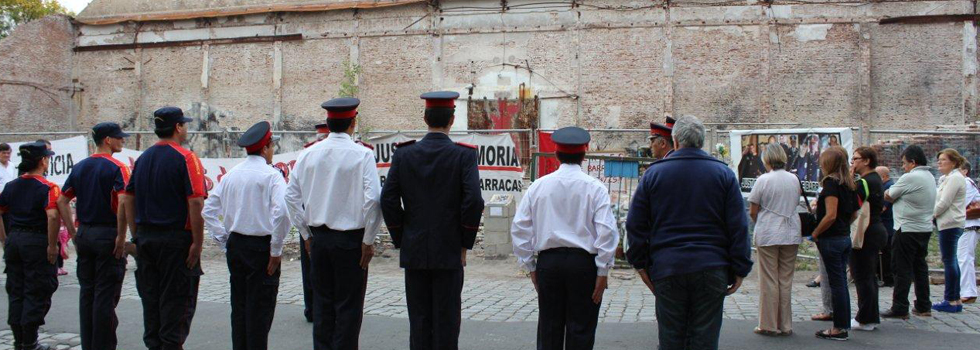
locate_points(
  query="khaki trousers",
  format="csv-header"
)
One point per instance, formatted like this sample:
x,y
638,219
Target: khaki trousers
x,y
776,266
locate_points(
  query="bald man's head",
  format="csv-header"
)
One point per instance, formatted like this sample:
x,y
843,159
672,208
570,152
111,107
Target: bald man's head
x,y
884,172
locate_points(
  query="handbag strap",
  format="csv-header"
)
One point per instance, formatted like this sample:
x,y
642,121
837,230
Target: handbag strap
x,y
805,198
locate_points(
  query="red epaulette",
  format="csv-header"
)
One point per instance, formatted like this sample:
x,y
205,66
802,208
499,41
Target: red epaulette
x,y
466,145
365,144
406,143
310,144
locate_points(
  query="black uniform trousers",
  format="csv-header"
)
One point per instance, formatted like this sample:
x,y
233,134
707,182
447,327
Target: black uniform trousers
x,y
864,264
434,306
253,291
31,279
167,288
100,277
568,317
304,260
339,285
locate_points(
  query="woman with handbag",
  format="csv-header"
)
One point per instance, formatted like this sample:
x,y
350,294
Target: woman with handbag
x,y
772,206
868,240
950,216
966,247
836,209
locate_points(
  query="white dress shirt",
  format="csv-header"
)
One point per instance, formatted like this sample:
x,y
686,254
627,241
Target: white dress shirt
x,y
565,209
335,183
249,200
7,174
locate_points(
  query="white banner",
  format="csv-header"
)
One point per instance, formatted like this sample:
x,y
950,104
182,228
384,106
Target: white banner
x,y
215,168
67,152
499,163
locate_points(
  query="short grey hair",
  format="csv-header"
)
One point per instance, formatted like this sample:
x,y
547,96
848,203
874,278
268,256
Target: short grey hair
x,y
689,132
774,156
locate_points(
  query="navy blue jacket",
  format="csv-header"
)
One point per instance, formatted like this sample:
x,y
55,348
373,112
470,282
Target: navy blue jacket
x,y
687,216
439,183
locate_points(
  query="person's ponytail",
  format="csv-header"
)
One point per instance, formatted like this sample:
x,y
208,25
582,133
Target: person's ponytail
x,y
27,164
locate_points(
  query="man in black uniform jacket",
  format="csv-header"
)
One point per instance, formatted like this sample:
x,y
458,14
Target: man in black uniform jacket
x,y
438,182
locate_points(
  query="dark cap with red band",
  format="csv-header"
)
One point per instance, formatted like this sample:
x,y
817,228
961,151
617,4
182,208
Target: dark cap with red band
x,y
440,99
571,140
670,122
257,137
657,129
322,129
341,108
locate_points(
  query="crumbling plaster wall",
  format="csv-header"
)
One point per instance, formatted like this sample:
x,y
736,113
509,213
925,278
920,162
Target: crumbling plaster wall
x,y
601,64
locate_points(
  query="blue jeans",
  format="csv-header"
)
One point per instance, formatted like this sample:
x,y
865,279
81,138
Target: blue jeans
x,y
835,252
947,247
689,309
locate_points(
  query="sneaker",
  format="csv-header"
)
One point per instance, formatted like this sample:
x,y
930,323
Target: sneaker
x,y
867,327
62,272
825,334
893,314
945,306
813,284
926,313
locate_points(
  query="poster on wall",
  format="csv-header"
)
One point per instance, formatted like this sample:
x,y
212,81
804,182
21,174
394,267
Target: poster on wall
x,y
67,152
499,161
802,148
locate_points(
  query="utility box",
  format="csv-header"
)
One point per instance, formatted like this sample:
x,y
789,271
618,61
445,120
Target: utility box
x,y
497,217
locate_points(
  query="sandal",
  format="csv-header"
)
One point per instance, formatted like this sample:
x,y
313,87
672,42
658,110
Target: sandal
x,y
822,317
761,331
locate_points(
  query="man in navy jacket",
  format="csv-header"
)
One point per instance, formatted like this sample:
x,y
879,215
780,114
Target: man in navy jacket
x,y
688,231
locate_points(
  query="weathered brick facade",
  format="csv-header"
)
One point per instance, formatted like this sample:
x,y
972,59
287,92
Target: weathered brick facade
x,y
598,64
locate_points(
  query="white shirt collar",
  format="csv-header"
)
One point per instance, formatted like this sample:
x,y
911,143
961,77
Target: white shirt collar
x,y
339,136
570,167
256,159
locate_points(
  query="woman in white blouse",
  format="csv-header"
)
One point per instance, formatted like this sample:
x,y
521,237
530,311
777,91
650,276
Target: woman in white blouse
x,y
950,214
773,202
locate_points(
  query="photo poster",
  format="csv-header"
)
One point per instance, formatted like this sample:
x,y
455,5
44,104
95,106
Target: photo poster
x,y
498,160
802,147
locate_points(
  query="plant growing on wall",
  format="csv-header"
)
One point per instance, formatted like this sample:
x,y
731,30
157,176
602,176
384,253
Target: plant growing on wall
x,y
348,86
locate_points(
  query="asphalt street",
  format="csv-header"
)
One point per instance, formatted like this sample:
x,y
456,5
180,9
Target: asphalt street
x,y
211,331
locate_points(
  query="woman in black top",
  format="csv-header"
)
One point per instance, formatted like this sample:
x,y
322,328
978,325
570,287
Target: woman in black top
x,y
836,207
31,248
864,261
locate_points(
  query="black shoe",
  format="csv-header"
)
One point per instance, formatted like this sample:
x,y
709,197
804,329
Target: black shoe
x,y
895,315
825,334
37,346
813,284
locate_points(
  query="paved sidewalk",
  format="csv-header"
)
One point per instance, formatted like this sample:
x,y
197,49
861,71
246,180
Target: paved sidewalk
x,y
497,292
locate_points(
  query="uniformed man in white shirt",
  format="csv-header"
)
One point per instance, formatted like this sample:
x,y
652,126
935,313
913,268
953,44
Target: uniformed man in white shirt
x,y
246,214
332,198
566,220
8,172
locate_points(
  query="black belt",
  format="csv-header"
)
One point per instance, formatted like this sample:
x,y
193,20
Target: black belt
x,y
325,229
567,250
973,228
29,229
266,238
